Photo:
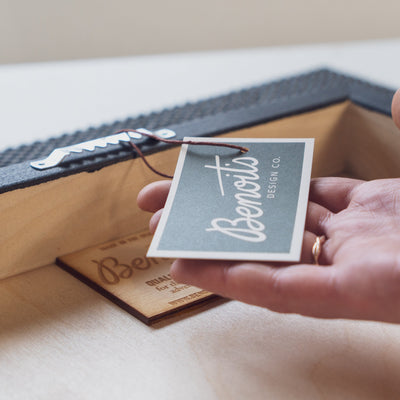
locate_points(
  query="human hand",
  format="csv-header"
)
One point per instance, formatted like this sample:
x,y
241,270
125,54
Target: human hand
x,y
360,273
396,108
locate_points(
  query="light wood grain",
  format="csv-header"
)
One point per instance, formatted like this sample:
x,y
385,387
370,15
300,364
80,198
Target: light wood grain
x,y
59,217
120,271
42,222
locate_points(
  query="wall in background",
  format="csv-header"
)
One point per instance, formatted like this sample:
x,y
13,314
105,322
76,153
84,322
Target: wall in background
x,y
45,30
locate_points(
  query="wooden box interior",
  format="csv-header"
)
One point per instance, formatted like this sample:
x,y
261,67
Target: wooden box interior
x,y
60,339
81,210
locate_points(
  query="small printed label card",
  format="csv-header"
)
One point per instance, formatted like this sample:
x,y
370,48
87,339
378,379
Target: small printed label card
x,y
120,271
224,204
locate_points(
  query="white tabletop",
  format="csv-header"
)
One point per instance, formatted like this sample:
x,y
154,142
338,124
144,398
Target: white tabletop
x,y
41,100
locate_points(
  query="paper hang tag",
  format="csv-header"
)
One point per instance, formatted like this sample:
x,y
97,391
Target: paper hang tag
x,y
227,205
120,271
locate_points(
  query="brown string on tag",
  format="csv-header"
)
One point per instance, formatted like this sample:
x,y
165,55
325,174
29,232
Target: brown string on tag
x,y
174,141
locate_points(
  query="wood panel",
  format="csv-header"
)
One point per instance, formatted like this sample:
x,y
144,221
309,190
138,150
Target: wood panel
x,y
39,223
42,222
121,272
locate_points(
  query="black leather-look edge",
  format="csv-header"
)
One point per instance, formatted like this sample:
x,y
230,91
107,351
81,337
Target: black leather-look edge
x,y
289,96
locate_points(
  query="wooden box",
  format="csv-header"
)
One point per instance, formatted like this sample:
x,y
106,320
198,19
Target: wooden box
x,y
70,342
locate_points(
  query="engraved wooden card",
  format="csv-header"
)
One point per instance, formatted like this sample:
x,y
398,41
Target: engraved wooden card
x,y
121,272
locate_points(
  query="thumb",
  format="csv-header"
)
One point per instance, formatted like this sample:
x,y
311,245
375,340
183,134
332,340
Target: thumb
x,y
396,108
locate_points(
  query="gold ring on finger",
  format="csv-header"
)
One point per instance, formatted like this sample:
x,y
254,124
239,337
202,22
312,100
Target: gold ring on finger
x,y
317,248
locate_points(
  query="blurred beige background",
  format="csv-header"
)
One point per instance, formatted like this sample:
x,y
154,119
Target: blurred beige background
x,y
45,30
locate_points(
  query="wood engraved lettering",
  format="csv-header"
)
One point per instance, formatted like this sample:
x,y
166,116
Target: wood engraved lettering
x,y
108,269
142,262
140,285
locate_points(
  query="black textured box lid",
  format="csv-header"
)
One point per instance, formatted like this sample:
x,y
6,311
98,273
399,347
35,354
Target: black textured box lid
x,y
209,117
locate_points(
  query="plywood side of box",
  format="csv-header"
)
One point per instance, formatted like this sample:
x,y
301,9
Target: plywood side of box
x,y
373,144
42,222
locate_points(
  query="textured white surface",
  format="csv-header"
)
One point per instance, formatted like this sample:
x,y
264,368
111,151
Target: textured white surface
x,y
62,340
38,101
